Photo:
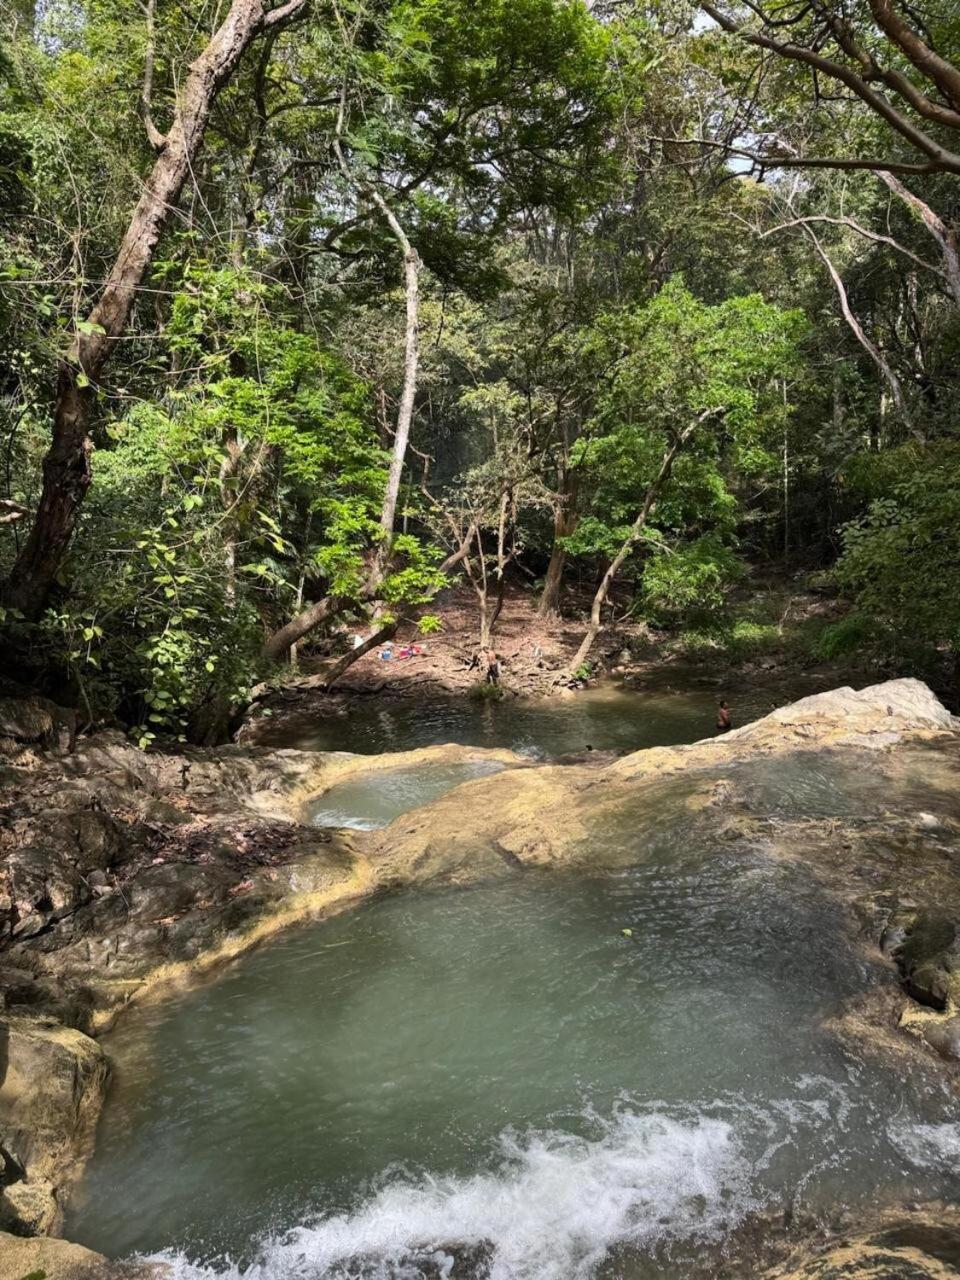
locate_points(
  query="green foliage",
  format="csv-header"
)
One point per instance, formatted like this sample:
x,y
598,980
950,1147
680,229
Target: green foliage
x,y
690,581
901,559
844,639
485,692
588,293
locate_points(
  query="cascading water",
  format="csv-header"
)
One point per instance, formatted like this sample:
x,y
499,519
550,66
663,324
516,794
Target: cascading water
x,y
559,1075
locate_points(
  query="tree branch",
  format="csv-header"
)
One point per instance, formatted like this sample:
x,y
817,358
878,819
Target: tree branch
x,y
867,234
156,139
943,74
806,162
947,161
893,382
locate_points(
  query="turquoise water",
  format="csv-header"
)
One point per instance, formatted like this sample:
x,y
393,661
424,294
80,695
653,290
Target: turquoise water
x,y
373,800
498,1082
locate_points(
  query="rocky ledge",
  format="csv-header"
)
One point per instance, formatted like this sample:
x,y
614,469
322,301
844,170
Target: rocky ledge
x,y
123,873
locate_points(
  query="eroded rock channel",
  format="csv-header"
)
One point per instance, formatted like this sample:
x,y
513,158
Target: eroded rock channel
x,y
698,1013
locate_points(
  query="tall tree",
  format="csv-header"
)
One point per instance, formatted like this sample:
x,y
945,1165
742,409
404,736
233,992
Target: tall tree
x,y
67,467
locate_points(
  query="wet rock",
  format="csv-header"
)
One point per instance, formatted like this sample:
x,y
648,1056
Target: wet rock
x,y
944,1036
919,1248
930,959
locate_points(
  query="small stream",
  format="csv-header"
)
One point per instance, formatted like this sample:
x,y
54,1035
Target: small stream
x,y
500,1082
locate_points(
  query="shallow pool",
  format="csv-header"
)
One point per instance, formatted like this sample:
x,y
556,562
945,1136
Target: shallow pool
x,y
503,1082
612,718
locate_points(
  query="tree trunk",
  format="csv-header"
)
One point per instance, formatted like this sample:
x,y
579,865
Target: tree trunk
x,y
636,530
346,662
565,522
278,645
945,236
411,354
66,468
872,350
411,360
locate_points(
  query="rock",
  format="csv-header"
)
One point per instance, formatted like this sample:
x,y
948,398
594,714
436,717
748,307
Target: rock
x,y
930,959
923,1248
50,1099
120,869
52,1259
944,1036
32,720
21,1259
928,821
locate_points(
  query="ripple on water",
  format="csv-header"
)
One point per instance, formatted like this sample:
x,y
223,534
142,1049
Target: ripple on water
x,y
502,1069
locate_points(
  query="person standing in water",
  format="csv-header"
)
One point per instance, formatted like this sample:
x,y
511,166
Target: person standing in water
x,y
724,722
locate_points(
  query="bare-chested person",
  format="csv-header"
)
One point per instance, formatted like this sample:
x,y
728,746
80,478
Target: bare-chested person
x,y
724,722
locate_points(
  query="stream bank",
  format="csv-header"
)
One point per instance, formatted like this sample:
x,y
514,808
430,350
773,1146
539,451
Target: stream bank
x,y
128,871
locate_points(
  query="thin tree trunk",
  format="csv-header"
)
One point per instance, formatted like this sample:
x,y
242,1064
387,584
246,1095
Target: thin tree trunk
x,y
872,350
411,351
565,522
66,468
636,531
945,236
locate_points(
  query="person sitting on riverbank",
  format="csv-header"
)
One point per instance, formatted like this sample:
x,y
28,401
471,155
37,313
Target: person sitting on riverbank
x,y
724,723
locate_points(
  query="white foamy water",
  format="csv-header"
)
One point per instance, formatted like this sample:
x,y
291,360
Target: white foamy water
x,y
551,1209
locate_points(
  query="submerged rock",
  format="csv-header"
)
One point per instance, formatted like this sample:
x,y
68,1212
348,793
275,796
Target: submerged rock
x,y
925,1246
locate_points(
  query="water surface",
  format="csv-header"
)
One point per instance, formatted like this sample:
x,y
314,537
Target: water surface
x,y
611,718
374,799
503,1072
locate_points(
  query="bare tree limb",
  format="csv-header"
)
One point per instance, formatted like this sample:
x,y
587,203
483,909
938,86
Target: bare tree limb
x,y
872,350
945,236
763,162
939,156
943,74
861,230
156,139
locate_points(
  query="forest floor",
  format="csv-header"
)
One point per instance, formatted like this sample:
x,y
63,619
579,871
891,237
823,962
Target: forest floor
x,y
774,626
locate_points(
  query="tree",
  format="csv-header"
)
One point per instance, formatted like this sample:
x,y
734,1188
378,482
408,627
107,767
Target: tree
x,y
842,46
67,470
685,371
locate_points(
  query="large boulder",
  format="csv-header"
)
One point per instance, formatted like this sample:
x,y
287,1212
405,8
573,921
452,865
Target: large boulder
x,y
22,1258
53,1080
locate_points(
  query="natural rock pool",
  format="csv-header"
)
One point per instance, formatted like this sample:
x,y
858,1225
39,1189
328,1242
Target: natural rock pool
x,y
611,718
500,1081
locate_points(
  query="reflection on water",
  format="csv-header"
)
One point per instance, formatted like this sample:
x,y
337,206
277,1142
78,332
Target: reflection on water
x,y
505,1073
607,719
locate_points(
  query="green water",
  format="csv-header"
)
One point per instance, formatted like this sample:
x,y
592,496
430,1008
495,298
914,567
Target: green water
x,y
611,718
373,800
500,1072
